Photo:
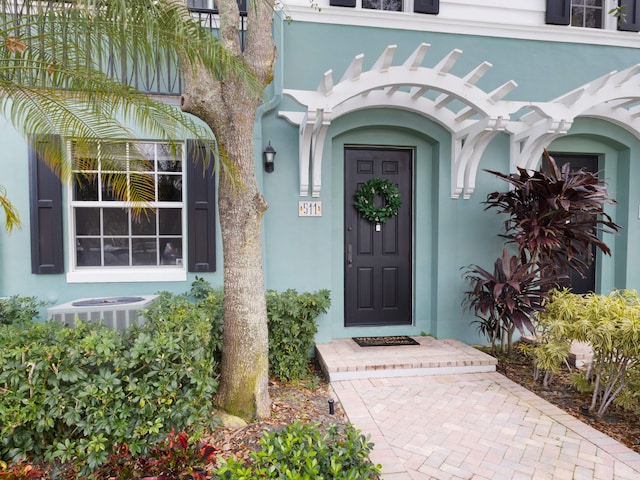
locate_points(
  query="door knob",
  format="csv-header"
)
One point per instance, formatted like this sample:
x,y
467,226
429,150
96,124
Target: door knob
x,y
349,255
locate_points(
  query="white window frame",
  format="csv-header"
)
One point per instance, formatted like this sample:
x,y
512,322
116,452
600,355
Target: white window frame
x,y
119,274
609,22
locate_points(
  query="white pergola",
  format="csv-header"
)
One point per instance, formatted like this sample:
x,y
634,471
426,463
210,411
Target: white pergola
x,y
474,117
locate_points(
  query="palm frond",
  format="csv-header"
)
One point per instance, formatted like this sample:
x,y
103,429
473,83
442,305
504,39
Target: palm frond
x,y
12,218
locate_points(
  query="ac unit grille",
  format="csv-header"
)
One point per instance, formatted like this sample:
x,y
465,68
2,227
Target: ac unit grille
x,y
113,313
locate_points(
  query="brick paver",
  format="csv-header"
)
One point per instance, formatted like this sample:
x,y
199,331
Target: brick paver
x,y
477,426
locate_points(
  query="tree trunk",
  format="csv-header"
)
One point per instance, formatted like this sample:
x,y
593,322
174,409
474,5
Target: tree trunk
x,y
245,353
229,106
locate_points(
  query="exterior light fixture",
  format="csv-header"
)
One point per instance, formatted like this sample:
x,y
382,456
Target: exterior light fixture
x,y
269,154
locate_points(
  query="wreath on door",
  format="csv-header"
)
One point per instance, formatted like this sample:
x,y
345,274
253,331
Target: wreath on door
x,y
365,200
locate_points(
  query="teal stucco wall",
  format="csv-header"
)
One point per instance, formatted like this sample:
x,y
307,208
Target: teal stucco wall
x,y
307,253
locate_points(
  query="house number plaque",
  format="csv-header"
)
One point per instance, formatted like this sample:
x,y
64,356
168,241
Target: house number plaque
x,y
309,208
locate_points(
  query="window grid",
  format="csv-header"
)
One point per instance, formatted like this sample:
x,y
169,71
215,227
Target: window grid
x,y
154,237
587,13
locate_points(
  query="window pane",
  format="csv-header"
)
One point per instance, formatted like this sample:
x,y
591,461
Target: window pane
x,y
143,187
142,157
144,251
393,5
144,223
88,252
87,221
169,160
171,251
169,188
116,221
577,17
593,18
114,157
169,165
170,221
116,251
85,187
86,163
85,157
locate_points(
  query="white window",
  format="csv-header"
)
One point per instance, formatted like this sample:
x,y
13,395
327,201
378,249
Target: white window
x,y
111,239
393,5
588,13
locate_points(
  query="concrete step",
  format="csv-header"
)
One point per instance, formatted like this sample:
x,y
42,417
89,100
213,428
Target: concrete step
x,y
344,359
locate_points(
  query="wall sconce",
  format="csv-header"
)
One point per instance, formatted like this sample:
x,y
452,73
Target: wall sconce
x,y
269,154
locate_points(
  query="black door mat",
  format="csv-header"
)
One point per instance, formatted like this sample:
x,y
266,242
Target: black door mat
x,y
384,341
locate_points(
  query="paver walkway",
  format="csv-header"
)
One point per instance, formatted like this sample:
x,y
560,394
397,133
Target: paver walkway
x,y
476,426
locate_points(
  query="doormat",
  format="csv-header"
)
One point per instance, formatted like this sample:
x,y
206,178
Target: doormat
x,y
384,341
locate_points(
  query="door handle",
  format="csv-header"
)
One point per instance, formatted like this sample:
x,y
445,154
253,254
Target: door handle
x,y
349,255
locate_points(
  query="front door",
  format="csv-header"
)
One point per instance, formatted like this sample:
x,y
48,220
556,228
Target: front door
x,y
378,257
577,283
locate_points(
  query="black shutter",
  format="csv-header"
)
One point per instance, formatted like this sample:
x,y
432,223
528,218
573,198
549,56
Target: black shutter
x,y
45,195
427,6
342,3
558,12
631,12
201,208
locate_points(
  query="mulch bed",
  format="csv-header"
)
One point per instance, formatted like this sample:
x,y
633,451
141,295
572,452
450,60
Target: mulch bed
x,y
305,401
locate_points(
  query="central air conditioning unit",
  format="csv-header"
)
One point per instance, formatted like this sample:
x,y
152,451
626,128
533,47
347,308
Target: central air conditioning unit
x,y
118,313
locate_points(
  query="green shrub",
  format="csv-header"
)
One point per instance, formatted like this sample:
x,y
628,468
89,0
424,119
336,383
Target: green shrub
x,y
17,309
292,325
203,302
292,329
74,393
611,326
307,451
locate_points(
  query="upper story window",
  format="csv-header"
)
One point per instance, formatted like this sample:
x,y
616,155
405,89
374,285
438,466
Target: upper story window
x,y
106,231
597,14
587,13
418,6
393,5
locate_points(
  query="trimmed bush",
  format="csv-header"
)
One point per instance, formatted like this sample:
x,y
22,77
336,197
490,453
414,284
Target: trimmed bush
x,y
17,309
74,393
292,329
307,451
77,393
292,326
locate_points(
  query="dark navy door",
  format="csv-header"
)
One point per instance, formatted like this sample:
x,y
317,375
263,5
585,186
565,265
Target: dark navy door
x,y
378,257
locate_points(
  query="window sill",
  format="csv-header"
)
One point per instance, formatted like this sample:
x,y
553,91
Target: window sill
x,y
122,275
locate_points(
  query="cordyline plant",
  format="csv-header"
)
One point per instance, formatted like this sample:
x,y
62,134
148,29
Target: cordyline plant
x,y
555,218
507,299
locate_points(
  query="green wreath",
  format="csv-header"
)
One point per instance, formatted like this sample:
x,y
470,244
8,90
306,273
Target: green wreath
x,y
365,200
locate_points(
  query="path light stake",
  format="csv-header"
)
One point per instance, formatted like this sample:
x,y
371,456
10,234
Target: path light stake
x,y
331,407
